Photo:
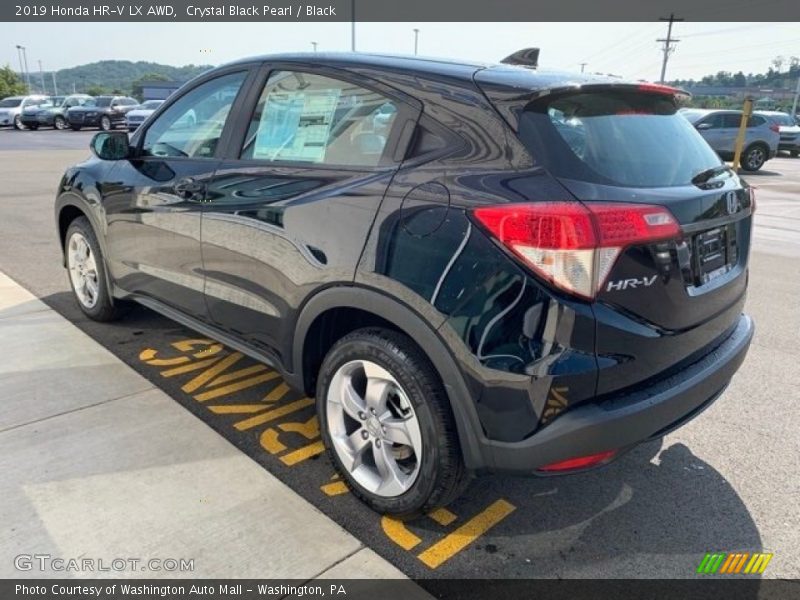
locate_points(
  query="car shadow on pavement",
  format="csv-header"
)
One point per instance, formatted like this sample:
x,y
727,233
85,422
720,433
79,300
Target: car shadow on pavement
x,y
761,173
634,518
653,513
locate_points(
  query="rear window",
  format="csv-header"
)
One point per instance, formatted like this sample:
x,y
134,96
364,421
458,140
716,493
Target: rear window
x,y
615,138
10,102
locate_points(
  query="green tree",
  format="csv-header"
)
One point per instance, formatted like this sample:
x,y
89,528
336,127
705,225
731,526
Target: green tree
x,y
136,87
96,90
10,83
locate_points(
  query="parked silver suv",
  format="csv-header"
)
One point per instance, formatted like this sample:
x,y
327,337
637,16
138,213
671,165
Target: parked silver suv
x,y
788,128
720,128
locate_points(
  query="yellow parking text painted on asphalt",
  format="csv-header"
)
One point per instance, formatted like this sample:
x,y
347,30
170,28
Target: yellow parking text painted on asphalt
x,y
216,377
452,543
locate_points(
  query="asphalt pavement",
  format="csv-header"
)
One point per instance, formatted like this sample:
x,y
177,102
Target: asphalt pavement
x,y
725,482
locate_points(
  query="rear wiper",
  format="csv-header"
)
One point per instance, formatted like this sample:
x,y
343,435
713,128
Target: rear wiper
x,y
704,176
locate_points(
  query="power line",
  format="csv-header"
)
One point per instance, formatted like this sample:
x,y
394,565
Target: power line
x,y
668,41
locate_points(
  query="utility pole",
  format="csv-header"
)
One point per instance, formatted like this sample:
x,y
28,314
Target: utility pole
x,y
55,85
583,66
314,45
416,40
668,41
41,76
353,26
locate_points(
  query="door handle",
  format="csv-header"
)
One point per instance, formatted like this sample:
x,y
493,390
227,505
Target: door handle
x,y
190,189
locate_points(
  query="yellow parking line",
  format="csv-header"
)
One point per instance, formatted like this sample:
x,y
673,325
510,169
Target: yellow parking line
x,y
442,516
194,366
238,374
279,392
211,373
302,453
236,409
455,542
397,531
273,414
236,387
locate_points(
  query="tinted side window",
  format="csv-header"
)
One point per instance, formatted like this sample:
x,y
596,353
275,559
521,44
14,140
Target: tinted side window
x,y
731,121
193,125
309,118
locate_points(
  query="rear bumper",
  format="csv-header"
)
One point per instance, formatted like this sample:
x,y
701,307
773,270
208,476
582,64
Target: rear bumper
x,y
627,420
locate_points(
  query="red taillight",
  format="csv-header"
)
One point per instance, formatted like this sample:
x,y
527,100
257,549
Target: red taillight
x,y
775,128
658,88
574,246
579,462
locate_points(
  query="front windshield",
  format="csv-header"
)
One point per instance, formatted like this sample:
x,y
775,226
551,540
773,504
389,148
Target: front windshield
x,y
151,104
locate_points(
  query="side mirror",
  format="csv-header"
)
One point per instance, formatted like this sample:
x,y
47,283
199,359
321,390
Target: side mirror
x,y
110,145
703,126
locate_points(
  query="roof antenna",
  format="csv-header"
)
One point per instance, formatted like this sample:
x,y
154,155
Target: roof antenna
x,y
528,57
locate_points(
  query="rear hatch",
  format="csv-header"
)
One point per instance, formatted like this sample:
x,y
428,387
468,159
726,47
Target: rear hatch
x,y
660,305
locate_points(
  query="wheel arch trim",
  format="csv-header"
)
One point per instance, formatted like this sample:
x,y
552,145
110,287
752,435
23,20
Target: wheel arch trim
x,y
408,322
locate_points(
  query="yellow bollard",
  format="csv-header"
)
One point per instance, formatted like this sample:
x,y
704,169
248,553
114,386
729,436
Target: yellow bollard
x,y
747,111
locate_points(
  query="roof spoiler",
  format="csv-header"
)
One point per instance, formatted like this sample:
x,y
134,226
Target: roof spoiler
x,y
527,57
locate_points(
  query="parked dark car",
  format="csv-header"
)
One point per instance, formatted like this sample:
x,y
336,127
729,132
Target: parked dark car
x,y
52,113
105,112
505,270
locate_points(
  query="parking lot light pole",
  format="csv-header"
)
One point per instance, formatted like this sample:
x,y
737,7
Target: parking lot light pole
x,y
22,68
27,71
796,94
416,40
314,46
55,85
41,76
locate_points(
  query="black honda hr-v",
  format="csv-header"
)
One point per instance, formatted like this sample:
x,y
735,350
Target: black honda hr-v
x,y
472,268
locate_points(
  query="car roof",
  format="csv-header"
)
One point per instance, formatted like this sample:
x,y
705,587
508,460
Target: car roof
x,y
495,73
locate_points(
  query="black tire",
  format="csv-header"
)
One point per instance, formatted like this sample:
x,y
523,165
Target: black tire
x,y
105,309
754,157
442,475
18,123
59,123
106,124
75,127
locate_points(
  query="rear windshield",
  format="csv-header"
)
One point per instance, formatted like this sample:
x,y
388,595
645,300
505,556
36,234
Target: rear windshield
x,y
622,138
10,102
784,120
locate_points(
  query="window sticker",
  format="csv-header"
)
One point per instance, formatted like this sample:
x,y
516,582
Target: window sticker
x,y
296,125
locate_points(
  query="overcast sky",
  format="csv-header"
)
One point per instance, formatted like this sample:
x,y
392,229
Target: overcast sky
x,y
626,49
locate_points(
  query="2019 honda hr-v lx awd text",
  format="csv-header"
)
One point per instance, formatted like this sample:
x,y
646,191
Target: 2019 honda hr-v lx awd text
x,y
472,268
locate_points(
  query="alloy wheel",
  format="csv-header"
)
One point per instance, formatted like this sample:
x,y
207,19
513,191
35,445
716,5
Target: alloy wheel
x,y
755,158
373,428
83,270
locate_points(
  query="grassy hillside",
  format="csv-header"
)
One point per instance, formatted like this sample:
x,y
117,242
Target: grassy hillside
x,y
113,76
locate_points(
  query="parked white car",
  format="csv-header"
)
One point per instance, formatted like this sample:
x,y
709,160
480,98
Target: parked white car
x,y
138,115
11,109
